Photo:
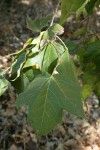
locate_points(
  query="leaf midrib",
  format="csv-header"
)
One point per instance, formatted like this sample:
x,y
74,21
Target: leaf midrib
x,y
45,101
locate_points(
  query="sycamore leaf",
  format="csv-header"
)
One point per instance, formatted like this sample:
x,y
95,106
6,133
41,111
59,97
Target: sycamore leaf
x,y
68,7
48,95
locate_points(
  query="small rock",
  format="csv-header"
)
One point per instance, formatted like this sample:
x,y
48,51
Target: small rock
x,y
49,145
77,137
70,142
82,123
88,148
95,115
71,132
18,26
59,131
16,45
13,147
95,147
60,147
24,37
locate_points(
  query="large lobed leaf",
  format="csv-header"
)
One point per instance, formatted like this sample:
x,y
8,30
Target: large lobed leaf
x,y
48,95
44,75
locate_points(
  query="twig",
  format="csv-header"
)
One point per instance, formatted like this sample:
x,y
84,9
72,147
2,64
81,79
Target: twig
x,y
61,42
55,13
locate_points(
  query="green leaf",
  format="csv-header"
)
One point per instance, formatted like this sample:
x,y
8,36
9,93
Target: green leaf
x,y
31,73
35,59
71,45
92,55
49,58
82,8
80,31
37,24
59,47
90,63
46,59
90,6
53,30
20,84
18,64
2,72
52,53
57,29
48,95
86,91
37,39
26,76
68,7
97,90
3,82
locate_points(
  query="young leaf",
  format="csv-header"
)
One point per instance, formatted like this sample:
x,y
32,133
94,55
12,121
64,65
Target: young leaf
x,y
53,30
37,24
68,7
48,95
57,29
